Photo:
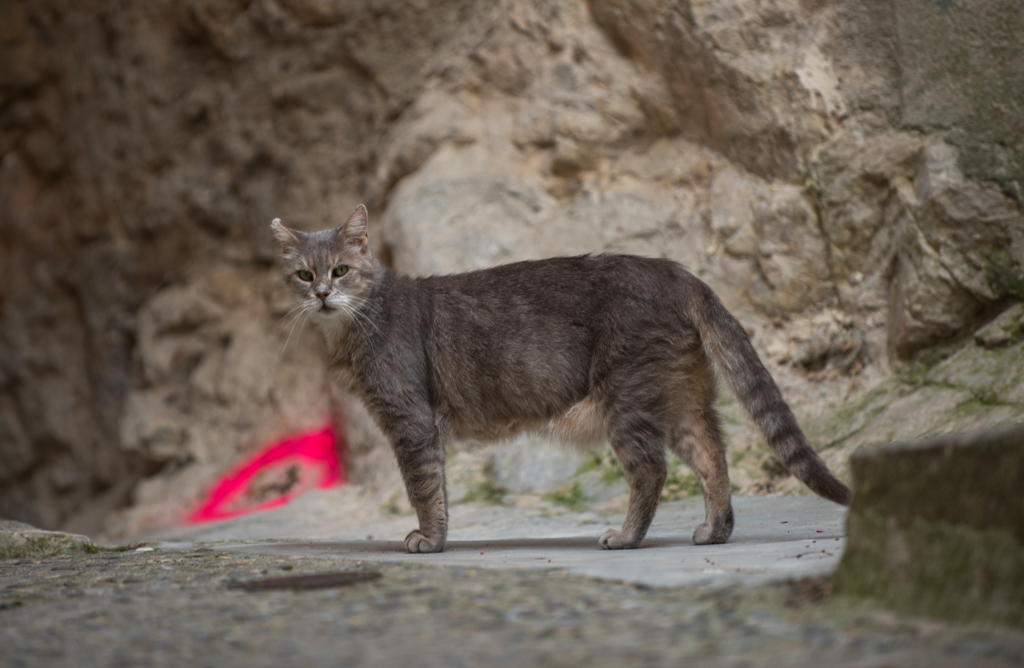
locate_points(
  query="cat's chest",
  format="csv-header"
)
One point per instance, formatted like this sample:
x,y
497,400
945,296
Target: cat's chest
x,y
345,377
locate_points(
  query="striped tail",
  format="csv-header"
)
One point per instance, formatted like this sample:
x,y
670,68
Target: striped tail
x,y
725,341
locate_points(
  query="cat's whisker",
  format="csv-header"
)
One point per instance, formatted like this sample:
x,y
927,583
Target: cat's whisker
x,y
303,325
372,323
291,325
294,309
363,303
356,305
363,300
305,311
352,318
357,313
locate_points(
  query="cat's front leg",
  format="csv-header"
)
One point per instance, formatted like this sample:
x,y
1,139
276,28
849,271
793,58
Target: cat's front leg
x,y
421,460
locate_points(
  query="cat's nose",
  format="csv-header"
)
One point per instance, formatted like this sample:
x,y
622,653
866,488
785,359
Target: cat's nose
x,y
322,293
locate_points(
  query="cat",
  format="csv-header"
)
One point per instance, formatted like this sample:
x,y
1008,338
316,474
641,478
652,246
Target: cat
x,y
588,348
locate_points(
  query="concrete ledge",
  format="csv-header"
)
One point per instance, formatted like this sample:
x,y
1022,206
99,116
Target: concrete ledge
x,y
937,528
23,541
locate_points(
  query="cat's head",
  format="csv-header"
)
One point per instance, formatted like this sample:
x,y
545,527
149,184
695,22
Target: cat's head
x,y
332,271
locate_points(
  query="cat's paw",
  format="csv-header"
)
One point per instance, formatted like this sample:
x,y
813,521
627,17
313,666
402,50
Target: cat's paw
x,y
706,535
416,542
617,540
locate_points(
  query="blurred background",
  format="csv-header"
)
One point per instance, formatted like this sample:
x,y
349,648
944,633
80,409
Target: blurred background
x,y
847,174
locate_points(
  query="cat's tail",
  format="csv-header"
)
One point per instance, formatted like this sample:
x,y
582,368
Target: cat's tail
x,y
726,342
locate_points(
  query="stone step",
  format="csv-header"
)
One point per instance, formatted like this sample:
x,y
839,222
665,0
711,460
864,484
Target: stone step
x,y
936,528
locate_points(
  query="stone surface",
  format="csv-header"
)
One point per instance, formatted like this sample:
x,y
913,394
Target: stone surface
x,y
21,541
1004,330
918,548
961,67
533,465
970,387
776,539
849,170
959,257
175,606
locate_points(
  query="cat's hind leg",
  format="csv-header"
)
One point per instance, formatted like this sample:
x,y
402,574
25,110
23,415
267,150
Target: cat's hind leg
x,y
701,446
638,439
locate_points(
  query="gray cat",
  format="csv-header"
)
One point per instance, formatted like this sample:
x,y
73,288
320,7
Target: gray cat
x,y
589,348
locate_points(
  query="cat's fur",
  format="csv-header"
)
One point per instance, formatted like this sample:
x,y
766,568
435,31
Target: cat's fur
x,y
590,348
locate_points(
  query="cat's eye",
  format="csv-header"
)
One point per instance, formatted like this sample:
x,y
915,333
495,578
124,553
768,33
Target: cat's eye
x,y
306,274
339,271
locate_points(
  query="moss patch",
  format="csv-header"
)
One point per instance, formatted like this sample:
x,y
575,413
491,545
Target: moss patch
x,y
1003,275
935,569
915,372
36,544
604,461
394,505
681,484
830,430
485,491
570,496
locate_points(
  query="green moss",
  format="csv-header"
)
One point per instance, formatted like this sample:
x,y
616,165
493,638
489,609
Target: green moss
x,y
592,463
914,373
1012,332
1003,275
570,496
977,408
736,457
968,409
987,397
915,370
833,429
680,484
603,460
935,569
391,507
34,544
612,475
1015,332
485,491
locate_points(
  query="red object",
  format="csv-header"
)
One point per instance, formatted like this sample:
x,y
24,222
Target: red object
x,y
307,461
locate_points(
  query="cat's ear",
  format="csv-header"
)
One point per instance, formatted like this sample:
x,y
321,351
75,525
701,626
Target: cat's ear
x,y
354,231
289,239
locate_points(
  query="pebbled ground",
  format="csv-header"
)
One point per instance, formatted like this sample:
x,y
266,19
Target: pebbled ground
x,y
177,603
172,607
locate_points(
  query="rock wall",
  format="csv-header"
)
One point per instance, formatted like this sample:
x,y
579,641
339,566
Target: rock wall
x,y
848,175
